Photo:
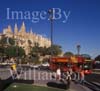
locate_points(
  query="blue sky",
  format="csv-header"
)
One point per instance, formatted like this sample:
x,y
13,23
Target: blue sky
x,y
82,26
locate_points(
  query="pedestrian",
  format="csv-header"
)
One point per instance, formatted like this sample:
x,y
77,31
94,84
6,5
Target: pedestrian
x,y
68,77
58,74
82,75
13,70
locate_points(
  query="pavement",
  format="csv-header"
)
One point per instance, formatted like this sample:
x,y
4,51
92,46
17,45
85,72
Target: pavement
x,y
4,73
41,78
78,87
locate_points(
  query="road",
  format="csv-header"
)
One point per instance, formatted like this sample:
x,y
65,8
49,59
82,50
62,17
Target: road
x,y
93,77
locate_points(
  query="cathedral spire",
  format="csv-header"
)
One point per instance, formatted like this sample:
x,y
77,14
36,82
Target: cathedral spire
x,y
15,29
31,32
23,28
23,24
9,29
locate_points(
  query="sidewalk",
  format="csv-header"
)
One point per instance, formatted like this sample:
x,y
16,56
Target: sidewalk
x,y
78,87
73,87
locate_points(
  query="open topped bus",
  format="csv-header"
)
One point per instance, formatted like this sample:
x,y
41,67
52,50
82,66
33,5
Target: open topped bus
x,y
75,62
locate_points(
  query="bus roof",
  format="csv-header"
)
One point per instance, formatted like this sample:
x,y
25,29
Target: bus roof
x,y
59,59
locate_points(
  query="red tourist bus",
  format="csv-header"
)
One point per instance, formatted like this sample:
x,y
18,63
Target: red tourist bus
x,y
75,62
81,63
62,62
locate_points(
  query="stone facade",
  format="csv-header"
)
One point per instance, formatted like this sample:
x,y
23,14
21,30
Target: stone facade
x,y
25,39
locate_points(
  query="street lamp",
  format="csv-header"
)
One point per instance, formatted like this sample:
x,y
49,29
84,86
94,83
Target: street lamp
x,y
51,21
78,49
50,12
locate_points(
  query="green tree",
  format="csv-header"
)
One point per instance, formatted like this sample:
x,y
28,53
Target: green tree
x,y
14,51
97,58
35,50
7,41
35,54
11,41
68,54
86,56
3,41
1,50
38,50
54,50
21,52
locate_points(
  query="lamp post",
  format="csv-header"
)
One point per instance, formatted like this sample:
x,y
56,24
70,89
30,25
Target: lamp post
x,y
78,49
51,21
51,25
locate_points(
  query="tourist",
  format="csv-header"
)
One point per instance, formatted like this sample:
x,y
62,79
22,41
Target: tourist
x,y
82,75
13,70
58,74
68,77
